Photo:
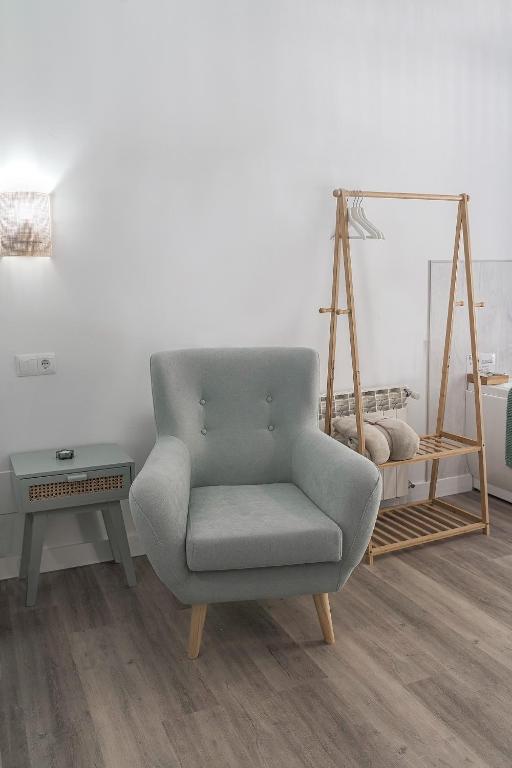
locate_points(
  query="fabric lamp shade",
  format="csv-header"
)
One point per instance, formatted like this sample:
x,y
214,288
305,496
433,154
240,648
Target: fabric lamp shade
x,y
25,224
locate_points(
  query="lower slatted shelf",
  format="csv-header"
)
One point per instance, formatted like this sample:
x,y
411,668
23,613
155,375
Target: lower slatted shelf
x,y
420,522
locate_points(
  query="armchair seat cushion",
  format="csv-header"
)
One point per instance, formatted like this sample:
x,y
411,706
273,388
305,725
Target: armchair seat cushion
x,y
257,526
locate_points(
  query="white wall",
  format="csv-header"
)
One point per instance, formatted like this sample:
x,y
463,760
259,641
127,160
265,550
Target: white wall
x,y
192,148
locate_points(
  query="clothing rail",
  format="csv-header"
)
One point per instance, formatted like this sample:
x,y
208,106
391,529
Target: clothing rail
x,y
397,195
416,523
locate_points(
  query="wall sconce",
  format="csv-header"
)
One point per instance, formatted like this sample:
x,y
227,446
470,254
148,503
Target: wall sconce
x,y
25,224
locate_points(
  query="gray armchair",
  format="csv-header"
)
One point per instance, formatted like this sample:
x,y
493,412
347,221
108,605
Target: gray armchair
x,y
243,497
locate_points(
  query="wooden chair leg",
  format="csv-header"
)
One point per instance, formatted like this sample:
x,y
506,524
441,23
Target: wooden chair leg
x,y
196,629
323,610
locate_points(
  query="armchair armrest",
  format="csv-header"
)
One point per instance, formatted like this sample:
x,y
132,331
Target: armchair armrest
x,y
344,485
159,499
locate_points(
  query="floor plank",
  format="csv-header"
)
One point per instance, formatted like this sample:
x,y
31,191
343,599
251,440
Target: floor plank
x,y
96,675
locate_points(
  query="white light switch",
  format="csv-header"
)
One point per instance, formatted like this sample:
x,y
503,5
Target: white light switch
x,y
36,364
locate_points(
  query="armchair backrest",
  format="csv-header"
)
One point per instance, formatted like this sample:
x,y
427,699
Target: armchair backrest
x,y
237,410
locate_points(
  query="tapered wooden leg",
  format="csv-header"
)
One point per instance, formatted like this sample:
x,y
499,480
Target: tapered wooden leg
x,y
196,629
323,610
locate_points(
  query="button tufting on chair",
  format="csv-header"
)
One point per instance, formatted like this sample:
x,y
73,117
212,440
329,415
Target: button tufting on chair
x,y
268,398
203,431
270,427
202,401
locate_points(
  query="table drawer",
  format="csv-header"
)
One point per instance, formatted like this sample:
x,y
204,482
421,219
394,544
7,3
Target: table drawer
x,y
74,488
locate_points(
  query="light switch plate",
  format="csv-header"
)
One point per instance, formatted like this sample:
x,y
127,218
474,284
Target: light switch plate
x,y
36,364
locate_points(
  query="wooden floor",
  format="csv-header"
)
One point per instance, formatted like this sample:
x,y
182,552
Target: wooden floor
x,y
421,673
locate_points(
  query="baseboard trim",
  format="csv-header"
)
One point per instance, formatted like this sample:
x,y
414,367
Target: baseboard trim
x,y
494,490
446,486
70,556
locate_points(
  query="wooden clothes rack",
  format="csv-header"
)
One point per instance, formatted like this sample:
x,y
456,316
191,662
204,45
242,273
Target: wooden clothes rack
x,y
411,524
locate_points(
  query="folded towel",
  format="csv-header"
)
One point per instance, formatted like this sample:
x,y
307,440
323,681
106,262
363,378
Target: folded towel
x,y
402,439
344,429
385,438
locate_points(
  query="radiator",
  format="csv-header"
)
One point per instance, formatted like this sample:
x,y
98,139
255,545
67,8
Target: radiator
x,y
381,401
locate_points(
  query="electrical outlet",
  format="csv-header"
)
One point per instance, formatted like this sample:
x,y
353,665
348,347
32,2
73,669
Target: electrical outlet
x,y
36,364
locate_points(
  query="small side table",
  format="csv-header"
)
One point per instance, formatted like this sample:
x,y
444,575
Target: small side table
x,y
98,477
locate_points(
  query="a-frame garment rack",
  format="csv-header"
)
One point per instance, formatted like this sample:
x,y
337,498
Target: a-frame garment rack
x,y
408,525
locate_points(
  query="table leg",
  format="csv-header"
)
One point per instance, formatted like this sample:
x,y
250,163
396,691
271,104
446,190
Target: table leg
x,y
111,534
25,549
115,513
35,549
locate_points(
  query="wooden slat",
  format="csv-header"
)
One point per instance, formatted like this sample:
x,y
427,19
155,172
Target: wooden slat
x,y
470,528
424,514
447,518
451,438
464,512
383,533
352,329
459,438
431,440
387,539
441,453
377,540
450,446
389,525
405,529
420,521
443,443
477,389
438,519
430,448
453,518
418,530
427,447
457,513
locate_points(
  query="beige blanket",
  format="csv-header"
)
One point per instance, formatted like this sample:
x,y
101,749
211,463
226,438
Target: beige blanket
x,y
386,438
